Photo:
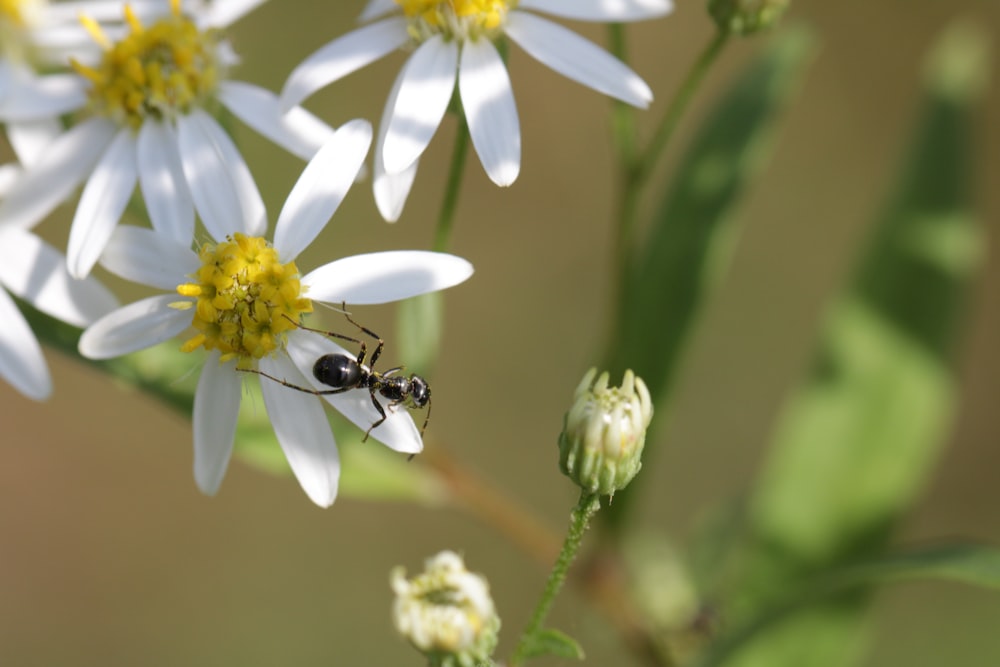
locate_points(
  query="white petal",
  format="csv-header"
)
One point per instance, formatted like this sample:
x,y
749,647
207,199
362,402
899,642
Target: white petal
x,y
44,97
216,408
381,277
36,272
21,360
618,11
321,188
29,140
489,107
577,59
223,190
57,173
391,190
398,432
161,178
303,431
102,203
376,8
147,257
297,131
9,173
134,327
223,13
342,56
424,94
68,11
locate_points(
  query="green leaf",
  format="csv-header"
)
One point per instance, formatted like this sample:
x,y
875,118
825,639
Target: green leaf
x,y
975,565
552,642
369,470
853,447
688,247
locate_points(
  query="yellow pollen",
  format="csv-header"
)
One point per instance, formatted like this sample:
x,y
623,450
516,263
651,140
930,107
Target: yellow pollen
x,y
17,18
11,10
455,19
245,299
157,71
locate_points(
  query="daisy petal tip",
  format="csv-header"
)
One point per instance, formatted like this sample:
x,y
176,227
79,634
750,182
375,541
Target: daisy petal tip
x,y
505,175
208,478
324,501
37,389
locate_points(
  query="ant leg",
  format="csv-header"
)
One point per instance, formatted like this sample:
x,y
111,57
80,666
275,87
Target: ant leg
x,y
286,383
381,343
334,334
427,418
381,411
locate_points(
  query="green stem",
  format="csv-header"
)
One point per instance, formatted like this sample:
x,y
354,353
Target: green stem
x,y
579,519
442,234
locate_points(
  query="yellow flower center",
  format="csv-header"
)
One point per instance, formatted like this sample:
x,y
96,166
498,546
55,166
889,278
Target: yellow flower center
x,y
10,10
245,299
16,19
160,71
456,19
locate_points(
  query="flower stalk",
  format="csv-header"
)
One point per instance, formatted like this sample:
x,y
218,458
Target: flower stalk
x,y
579,521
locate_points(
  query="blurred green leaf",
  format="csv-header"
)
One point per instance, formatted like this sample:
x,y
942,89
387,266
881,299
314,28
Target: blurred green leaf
x,y
688,248
976,565
369,470
855,444
552,642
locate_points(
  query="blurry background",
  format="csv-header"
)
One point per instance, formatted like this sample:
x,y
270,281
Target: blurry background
x,y
109,556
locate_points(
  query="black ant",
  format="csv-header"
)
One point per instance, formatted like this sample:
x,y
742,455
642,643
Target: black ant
x,y
343,374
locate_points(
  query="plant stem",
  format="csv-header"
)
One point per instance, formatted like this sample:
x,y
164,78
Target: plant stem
x,y
579,519
442,234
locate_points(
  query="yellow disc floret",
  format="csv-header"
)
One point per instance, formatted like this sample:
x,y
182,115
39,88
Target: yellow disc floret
x,y
10,11
455,19
245,299
16,20
158,71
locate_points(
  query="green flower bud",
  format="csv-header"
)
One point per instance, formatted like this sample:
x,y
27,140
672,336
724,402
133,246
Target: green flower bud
x,y
600,447
743,17
446,612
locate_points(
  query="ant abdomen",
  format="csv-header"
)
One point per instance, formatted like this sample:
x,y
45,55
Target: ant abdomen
x,y
337,371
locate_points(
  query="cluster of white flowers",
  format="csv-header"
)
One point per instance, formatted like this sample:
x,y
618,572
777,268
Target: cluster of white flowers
x,y
126,99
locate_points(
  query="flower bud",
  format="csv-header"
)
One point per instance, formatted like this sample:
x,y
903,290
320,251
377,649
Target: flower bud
x,y
446,612
743,17
600,447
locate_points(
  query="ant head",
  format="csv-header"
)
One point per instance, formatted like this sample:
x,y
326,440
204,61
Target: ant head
x,y
420,391
337,370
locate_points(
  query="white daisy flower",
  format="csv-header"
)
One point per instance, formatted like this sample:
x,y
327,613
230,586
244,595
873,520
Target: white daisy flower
x,y
36,34
453,41
243,297
36,272
148,94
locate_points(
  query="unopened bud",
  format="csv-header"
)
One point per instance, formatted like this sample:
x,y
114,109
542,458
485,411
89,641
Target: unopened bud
x,y
600,447
446,612
743,17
